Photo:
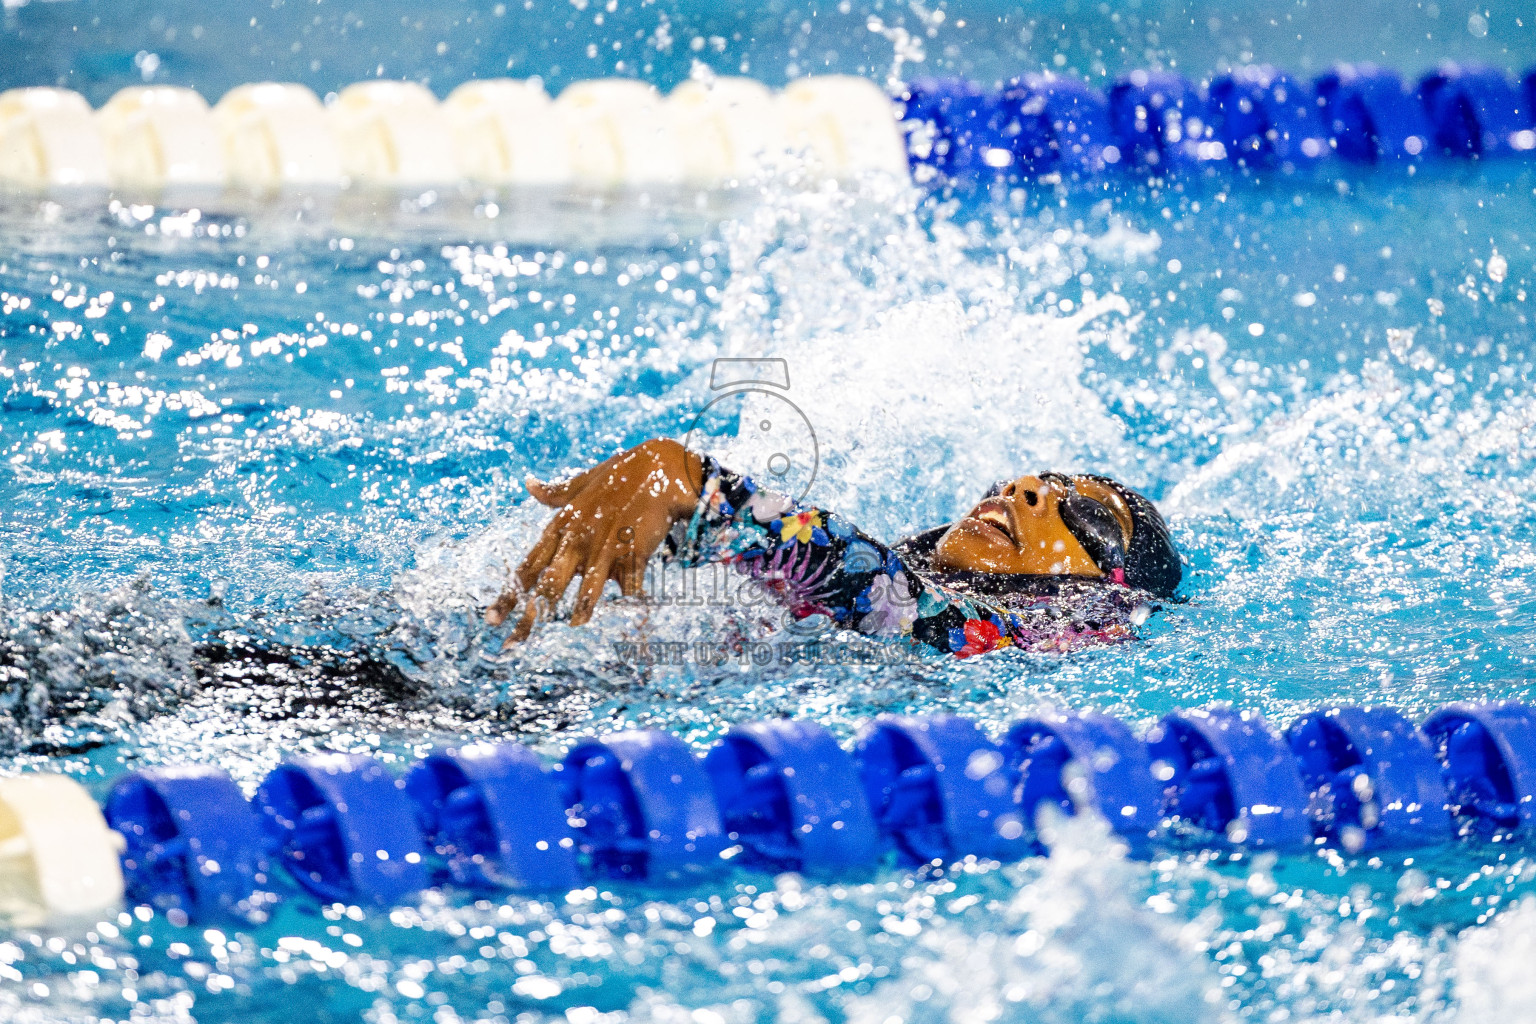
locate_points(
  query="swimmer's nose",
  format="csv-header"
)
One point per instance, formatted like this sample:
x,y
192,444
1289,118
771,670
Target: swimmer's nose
x,y
1029,494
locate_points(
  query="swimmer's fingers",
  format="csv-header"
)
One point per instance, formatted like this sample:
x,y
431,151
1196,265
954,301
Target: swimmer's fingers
x,y
497,613
633,544
594,577
531,615
642,492
539,556
534,563
551,586
616,558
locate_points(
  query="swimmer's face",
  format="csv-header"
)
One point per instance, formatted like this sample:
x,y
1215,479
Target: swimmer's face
x,y
1020,530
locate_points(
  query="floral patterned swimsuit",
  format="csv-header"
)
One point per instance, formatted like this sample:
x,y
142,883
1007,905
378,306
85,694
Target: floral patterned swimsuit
x,y
815,562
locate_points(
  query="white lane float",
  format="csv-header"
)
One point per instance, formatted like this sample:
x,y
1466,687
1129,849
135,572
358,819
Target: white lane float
x,y
58,858
507,132
393,135
276,134
728,129
845,123
269,137
619,134
160,136
49,139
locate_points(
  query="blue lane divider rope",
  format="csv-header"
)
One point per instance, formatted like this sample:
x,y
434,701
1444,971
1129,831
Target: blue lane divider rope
x,y
1370,774
1489,754
1063,759
938,789
190,838
344,828
644,806
1053,127
1226,773
493,816
792,797
785,795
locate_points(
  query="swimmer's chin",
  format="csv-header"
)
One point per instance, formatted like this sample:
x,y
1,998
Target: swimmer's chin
x,y
973,545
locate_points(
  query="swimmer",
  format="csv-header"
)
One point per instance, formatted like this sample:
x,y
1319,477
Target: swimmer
x,y
1048,563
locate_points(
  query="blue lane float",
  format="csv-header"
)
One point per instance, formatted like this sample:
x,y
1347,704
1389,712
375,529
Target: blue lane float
x,y
644,806
1265,118
955,131
190,839
790,795
1055,125
1475,111
1488,758
1227,774
1371,116
493,818
344,828
938,789
784,795
1113,772
1254,119
1373,779
1158,121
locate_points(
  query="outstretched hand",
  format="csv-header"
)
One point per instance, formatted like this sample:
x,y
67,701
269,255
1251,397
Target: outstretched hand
x,y
611,519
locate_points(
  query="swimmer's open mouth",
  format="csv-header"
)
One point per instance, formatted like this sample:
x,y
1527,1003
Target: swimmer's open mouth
x,y
997,518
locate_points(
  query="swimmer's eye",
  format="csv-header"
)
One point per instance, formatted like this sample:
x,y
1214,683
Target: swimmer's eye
x,y
1093,523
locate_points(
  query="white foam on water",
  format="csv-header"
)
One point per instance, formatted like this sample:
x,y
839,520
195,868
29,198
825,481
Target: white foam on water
x,y
1405,428
1494,980
926,367
1075,943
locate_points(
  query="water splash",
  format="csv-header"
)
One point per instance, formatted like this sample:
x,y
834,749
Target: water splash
x,y
1075,944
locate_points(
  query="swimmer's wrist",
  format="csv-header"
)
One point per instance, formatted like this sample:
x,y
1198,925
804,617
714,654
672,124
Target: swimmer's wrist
x,y
684,473
692,478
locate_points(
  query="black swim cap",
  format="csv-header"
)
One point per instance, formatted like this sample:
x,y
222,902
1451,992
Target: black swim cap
x,y
1151,562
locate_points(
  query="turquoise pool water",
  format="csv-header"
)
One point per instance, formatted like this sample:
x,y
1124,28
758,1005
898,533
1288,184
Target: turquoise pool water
x,y
260,478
